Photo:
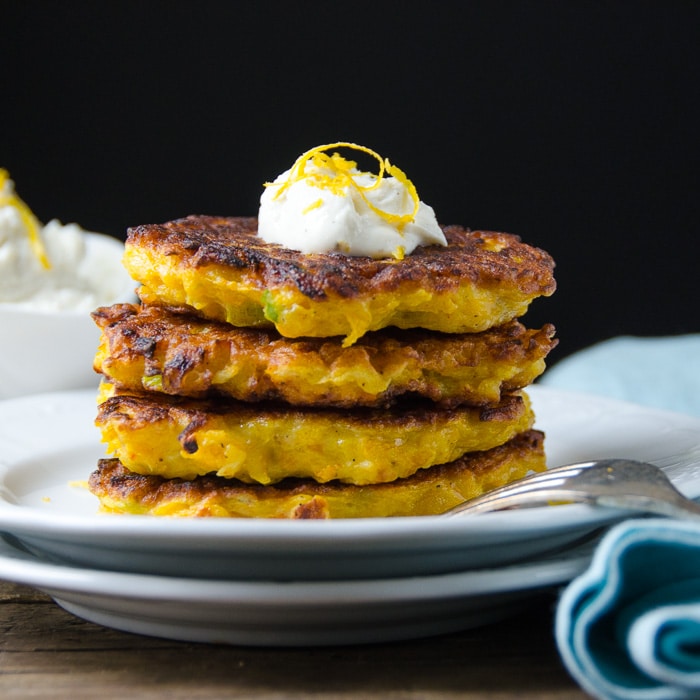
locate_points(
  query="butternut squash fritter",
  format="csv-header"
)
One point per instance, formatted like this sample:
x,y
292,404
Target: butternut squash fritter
x,y
262,443
428,492
219,267
157,349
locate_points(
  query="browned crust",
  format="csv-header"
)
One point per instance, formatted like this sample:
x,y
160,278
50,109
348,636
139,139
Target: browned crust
x,y
139,410
186,352
112,480
486,258
266,443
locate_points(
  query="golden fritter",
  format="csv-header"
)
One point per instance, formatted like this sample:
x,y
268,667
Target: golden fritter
x,y
429,492
223,270
156,349
263,443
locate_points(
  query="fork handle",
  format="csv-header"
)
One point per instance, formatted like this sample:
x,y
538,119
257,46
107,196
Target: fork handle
x,y
488,503
681,508
491,503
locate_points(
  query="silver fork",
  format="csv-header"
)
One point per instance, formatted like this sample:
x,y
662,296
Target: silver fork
x,y
616,483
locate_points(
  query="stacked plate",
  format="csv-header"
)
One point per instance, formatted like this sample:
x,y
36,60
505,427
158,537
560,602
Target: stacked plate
x,y
269,582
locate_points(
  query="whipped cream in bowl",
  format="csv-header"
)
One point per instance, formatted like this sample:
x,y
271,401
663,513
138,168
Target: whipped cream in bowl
x,y
324,204
51,277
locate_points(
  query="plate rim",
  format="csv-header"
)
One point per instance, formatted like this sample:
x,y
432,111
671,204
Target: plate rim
x,y
25,568
22,520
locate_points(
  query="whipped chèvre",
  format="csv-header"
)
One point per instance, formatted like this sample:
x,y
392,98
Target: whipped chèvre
x,y
324,204
51,267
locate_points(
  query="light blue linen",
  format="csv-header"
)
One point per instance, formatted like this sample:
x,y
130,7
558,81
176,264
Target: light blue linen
x,y
663,372
628,628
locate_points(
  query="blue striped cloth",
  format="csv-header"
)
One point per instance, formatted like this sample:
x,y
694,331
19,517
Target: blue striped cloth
x,y
628,628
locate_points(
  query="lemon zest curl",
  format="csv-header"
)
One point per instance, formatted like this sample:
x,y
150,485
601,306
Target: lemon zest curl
x,y
31,223
337,175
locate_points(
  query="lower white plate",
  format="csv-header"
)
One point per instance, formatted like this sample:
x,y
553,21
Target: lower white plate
x,y
292,613
50,446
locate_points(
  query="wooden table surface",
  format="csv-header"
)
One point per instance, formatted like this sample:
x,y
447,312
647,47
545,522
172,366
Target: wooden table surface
x,y
46,652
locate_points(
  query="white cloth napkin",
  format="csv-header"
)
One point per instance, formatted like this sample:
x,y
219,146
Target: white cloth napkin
x,y
663,372
628,628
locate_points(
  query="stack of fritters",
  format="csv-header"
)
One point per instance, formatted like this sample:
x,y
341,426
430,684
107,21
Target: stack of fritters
x,y
256,381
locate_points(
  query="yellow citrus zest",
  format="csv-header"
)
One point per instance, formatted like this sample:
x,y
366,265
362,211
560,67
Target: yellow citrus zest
x,y
336,174
313,205
31,224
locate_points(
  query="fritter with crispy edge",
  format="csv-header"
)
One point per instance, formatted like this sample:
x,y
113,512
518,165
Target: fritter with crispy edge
x,y
263,443
157,349
428,492
221,268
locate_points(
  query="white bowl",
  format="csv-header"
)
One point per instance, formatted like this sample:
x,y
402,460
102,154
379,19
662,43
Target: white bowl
x,y
44,351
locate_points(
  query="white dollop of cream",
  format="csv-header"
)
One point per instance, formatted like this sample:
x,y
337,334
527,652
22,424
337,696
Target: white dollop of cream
x,y
85,268
304,214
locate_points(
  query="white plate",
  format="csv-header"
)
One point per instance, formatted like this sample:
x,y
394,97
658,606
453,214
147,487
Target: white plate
x,y
290,614
49,443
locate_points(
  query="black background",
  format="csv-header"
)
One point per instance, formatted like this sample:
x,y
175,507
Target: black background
x,y
573,124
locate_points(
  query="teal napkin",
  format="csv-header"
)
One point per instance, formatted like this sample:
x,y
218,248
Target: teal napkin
x,y
663,372
629,626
